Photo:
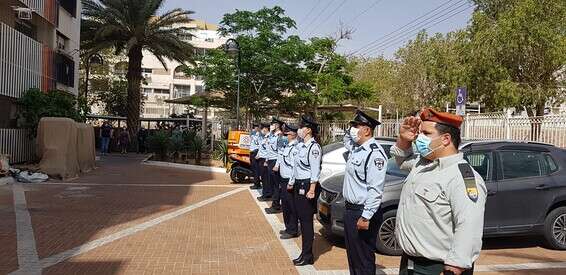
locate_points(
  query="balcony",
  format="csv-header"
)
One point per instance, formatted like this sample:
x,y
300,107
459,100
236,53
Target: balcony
x,y
48,9
24,63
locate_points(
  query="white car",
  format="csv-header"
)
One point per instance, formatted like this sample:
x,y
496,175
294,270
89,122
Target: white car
x,y
334,156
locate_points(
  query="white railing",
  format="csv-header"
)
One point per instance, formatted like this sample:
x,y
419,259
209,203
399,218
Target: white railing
x,y
20,62
16,144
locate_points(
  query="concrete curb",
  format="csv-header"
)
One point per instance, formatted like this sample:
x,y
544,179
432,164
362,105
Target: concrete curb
x,y
185,166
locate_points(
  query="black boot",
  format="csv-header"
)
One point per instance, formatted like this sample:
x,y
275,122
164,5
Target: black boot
x,y
255,187
298,259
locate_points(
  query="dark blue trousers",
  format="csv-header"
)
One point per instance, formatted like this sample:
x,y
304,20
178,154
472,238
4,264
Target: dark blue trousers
x,y
255,168
305,211
288,206
267,184
360,244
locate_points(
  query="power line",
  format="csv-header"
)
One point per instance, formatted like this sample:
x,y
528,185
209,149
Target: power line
x,y
391,43
320,13
417,27
356,17
327,17
402,27
309,13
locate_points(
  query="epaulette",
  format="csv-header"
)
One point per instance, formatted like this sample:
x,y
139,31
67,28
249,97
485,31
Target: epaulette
x,y
469,180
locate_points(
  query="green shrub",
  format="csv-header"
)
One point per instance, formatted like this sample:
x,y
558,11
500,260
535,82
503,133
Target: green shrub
x,y
159,143
221,151
36,104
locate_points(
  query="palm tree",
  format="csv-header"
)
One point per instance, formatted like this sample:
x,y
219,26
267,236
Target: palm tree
x,y
131,26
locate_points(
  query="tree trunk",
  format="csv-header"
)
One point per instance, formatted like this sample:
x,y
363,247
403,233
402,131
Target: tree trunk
x,y
134,78
536,119
205,122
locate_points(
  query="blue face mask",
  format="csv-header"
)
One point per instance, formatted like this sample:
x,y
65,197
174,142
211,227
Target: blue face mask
x,y
422,144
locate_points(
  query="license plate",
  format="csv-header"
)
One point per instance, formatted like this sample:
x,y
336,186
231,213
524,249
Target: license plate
x,y
323,209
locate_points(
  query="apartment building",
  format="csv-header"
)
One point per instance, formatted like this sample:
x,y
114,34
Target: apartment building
x,y
161,84
39,48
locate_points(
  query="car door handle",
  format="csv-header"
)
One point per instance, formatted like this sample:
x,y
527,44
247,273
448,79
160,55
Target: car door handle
x,y
542,187
491,193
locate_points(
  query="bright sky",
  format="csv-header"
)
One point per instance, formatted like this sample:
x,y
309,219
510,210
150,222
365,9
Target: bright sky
x,y
373,20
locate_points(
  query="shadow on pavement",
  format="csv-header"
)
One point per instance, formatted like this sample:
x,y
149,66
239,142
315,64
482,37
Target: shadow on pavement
x,y
67,216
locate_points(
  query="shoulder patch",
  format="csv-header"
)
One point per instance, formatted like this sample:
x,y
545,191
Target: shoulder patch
x,y
373,146
469,181
379,163
315,152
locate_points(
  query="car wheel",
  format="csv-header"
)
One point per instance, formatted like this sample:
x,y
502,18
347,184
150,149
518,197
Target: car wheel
x,y
386,241
555,228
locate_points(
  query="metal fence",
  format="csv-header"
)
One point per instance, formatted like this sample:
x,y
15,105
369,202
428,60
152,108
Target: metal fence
x,y
16,144
547,129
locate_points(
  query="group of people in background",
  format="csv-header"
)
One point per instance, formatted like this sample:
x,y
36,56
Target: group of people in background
x,y
286,161
122,138
439,223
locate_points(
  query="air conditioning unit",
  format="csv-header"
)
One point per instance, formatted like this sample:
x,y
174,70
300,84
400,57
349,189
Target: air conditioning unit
x,y
23,13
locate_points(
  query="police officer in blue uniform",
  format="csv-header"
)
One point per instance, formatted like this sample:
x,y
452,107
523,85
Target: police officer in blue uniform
x,y
255,137
306,173
275,144
262,155
284,165
362,190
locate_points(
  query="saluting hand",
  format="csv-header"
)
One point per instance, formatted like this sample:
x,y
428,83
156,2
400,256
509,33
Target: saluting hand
x,y
409,130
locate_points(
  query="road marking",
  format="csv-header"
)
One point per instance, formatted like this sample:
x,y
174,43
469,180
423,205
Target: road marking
x,y
289,245
185,166
57,258
28,260
137,184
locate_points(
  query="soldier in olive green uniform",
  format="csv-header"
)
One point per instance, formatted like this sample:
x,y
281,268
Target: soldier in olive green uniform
x,y
441,209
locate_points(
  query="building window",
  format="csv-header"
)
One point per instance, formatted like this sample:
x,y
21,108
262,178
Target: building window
x,y
147,90
62,42
180,73
70,6
199,88
147,70
199,51
182,91
209,40
26,28
161,91
186,37
65,70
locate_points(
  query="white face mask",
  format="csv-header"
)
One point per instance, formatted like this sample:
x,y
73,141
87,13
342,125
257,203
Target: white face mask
x,y
354,133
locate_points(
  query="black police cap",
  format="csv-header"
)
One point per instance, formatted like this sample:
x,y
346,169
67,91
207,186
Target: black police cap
x,y
276,120
264,125
255,125
362,118
309,123
288,128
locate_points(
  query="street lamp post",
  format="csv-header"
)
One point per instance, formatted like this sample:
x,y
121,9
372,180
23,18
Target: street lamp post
x,y
95,59
232,47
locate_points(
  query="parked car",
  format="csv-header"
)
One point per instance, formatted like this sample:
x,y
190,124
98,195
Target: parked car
x,y
334,156
526,185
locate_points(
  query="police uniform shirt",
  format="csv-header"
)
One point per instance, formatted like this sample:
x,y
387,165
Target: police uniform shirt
x,y
286,159
307,162
441,213
272,142
365,175
255,138
262,141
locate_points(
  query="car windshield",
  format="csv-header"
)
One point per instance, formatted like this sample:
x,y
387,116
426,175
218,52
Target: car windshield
x,y
393,169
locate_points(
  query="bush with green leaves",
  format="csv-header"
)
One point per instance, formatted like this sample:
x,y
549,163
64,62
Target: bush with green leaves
x,y
36,104
221,151
159,143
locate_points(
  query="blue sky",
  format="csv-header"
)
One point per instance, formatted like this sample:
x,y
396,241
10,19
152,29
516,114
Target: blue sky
x,y
371,19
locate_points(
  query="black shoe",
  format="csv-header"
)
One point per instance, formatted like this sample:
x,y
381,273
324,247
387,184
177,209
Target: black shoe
x,y
262,198
255,187
286,236
304,261
272,210
299,259
282,231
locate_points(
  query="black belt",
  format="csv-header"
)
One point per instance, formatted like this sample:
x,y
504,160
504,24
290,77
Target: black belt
x,y
352,206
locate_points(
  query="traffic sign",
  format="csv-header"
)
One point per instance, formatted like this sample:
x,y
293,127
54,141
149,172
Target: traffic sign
x,y
461,99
